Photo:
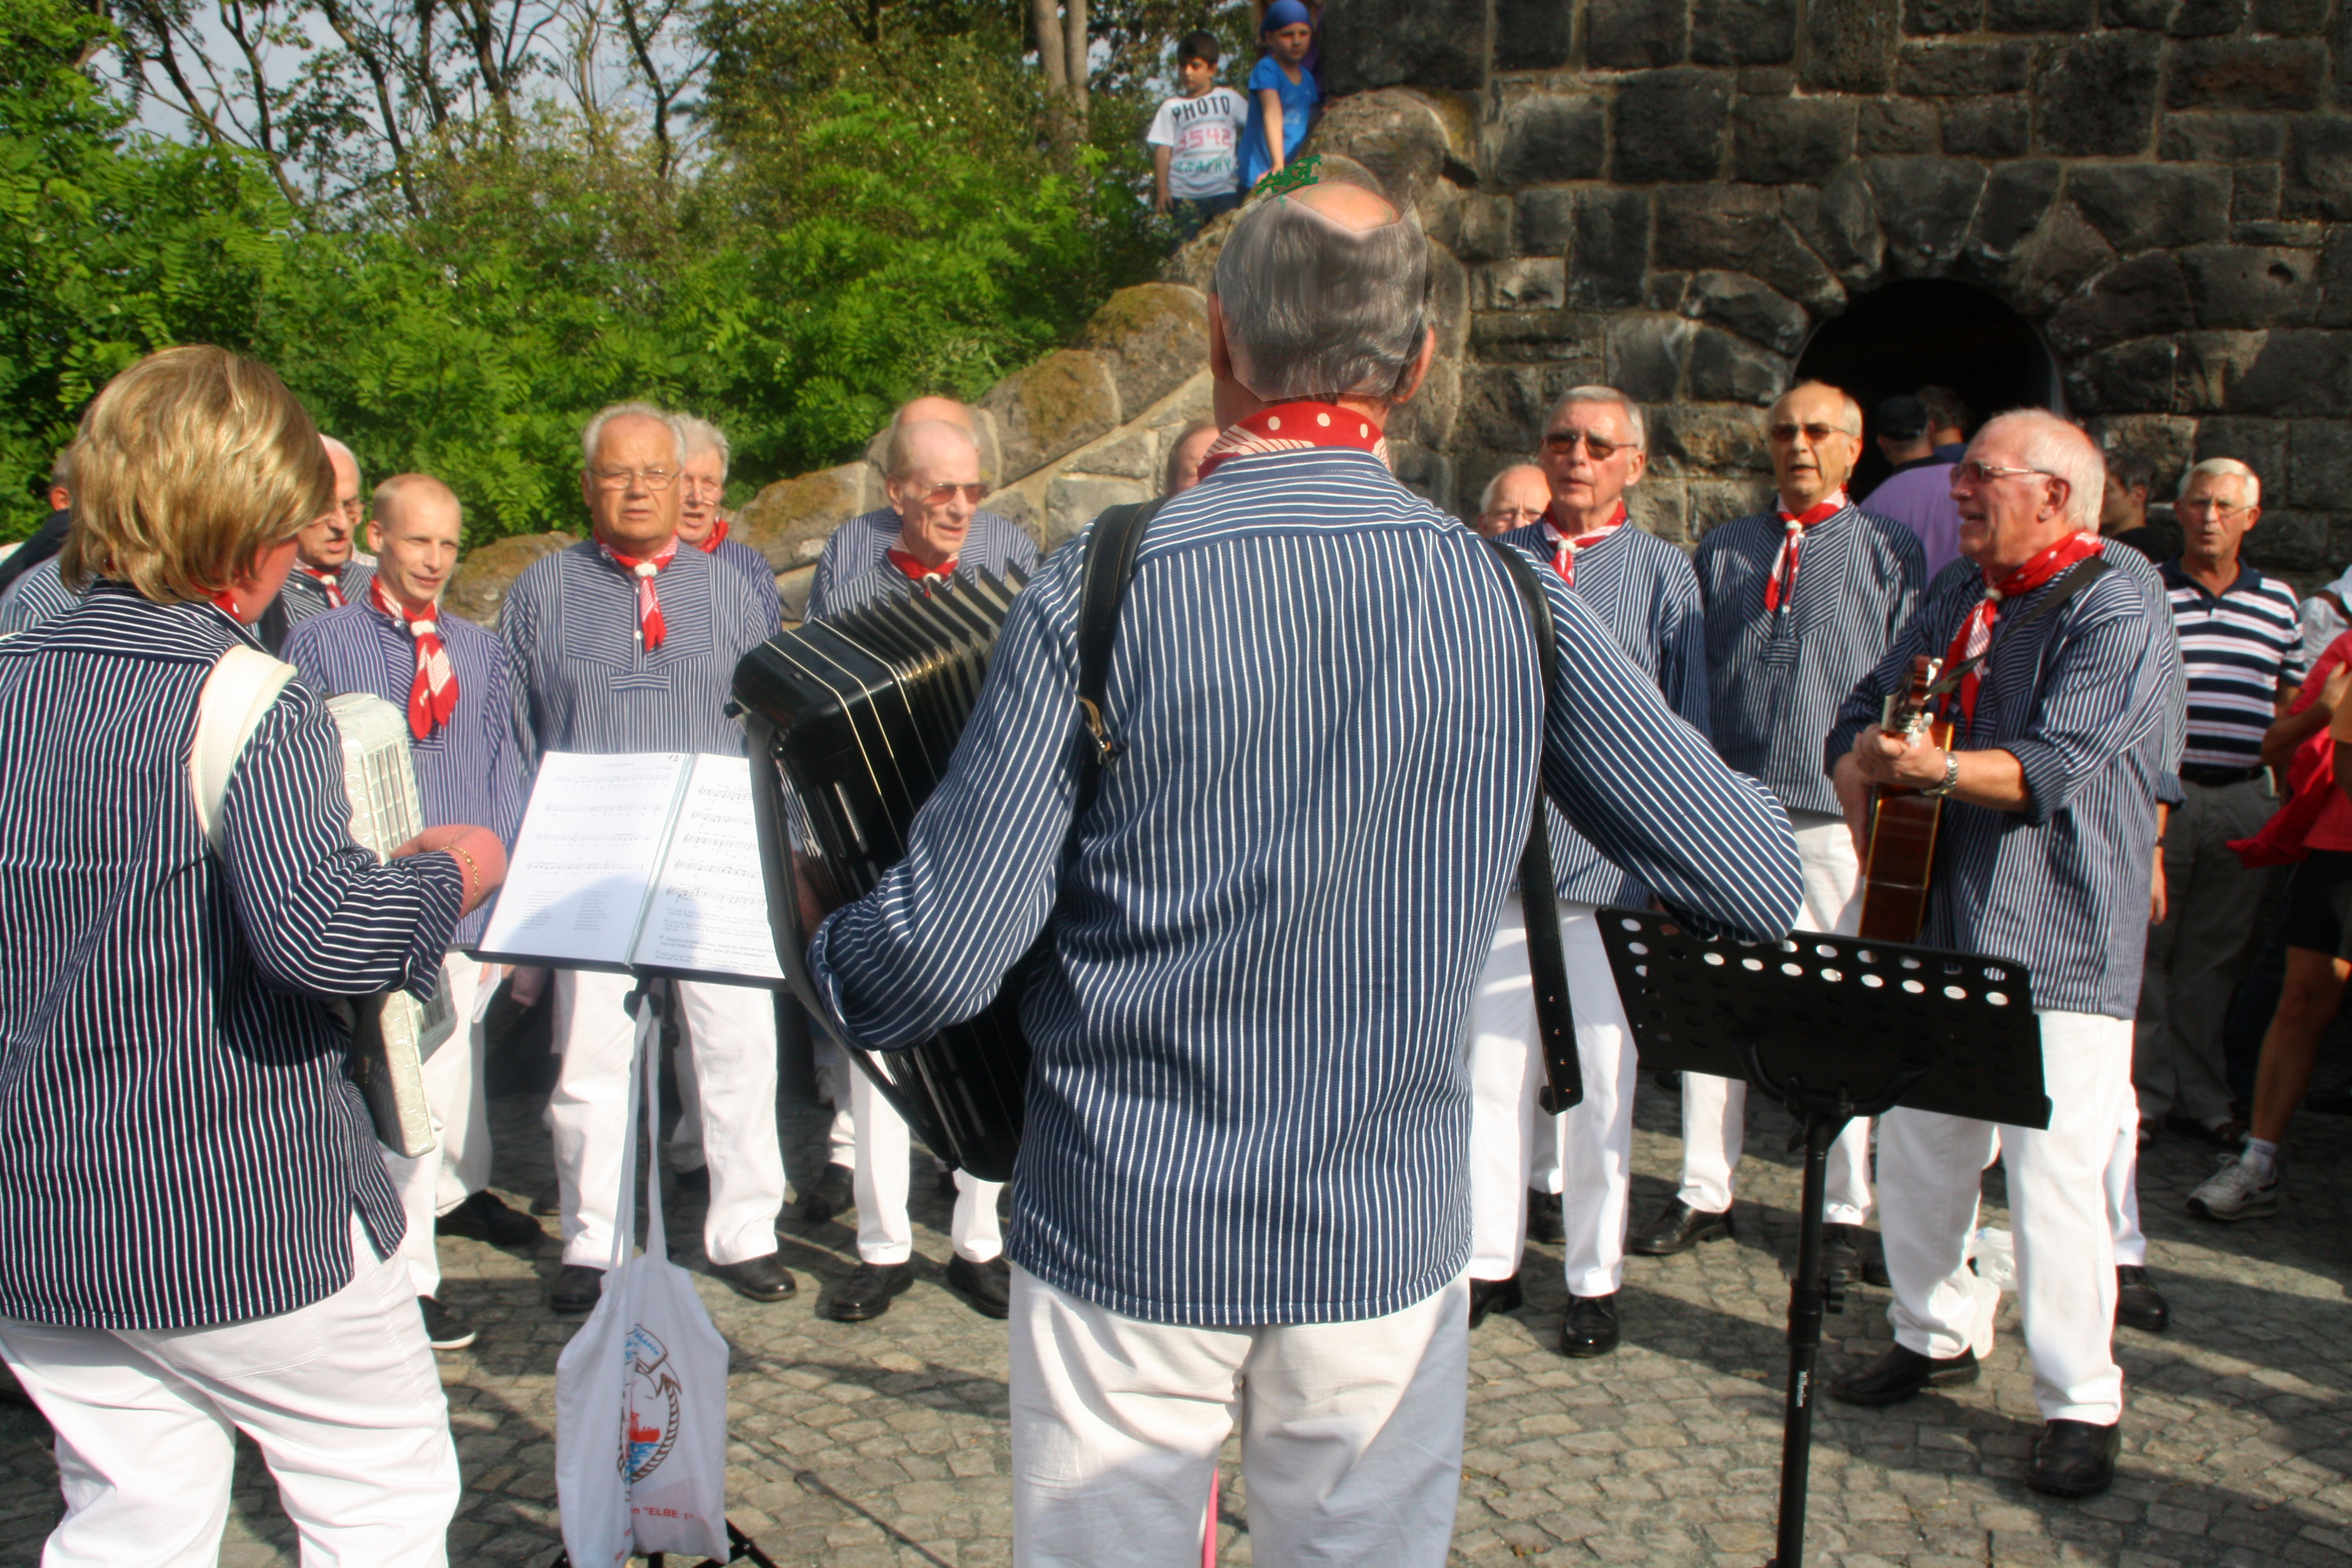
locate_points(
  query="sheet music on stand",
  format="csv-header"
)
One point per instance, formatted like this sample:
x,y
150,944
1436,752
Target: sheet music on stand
x,y
640,863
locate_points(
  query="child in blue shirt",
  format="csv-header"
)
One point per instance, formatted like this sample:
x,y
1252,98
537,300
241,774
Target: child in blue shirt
x,y
1282,94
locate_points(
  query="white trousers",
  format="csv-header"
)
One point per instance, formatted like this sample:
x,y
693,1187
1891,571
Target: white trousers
x,y
1715,1110
734,1032
885,1235
1352,1434
341,1397
1930,1171
1586,1153
459,1165
2123,1192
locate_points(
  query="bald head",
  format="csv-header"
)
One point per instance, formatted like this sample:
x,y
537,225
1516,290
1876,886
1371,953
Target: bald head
x,y
1352,207
327,541
924,410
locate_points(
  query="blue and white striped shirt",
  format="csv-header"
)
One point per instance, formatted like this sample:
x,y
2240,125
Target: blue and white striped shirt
x,y
861,545
749,561
180,1144
1642,590
1776,678
2241,651
1248,1103
35,596
468,770
570,623
304,597
2080,698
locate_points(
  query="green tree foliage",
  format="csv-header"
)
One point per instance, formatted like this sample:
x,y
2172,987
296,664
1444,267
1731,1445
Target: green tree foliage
x,y
883,208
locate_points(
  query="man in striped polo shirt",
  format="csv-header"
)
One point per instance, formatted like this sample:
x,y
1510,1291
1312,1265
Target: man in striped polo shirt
x,y
450,677
1246,1158
990,542
1802,600
328,573
2044,857
2240,649
1594,447
628,642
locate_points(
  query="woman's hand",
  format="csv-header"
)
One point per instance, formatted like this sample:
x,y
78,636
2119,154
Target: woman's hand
x,y
480,858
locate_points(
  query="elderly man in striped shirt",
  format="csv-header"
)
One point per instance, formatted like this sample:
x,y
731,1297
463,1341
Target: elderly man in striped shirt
x,y
625,643
450,677
1244,1188
989,542
1802,599
2240,650
329,571
2045,858
1594,448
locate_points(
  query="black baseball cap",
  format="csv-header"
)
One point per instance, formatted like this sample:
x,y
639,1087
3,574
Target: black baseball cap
x,y
1901,418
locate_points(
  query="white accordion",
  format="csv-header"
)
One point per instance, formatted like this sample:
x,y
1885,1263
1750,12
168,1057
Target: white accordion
x,y
391,1033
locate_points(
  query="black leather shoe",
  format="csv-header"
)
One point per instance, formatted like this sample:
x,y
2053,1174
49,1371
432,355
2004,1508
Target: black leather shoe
x,y
1494,1296
1901,1372
866,1292
1678,1228
988,1287
1873,1263
484,1217
834,1191
697,1179
757,1279
1543,1221
2138,1304
575,1289
444,1330
1842,1252
2073,1458
1667,1082
1592,1326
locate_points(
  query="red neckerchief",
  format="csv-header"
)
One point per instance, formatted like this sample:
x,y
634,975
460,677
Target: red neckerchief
x,y
710,542
327,578
1564,550
1782,584
224,602
1295,427
649,615
915,570
433,695
1975,634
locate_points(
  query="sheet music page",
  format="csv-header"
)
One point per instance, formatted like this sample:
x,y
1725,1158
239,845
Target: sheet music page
x,y
710,907
592,837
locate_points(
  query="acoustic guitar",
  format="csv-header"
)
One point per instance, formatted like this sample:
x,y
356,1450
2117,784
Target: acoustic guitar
x,y
1903,822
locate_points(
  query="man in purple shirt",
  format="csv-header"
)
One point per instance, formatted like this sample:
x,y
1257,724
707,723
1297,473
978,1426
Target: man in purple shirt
x,y
1918,493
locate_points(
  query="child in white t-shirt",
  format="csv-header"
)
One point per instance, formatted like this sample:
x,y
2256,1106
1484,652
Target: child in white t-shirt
x,y
1195,139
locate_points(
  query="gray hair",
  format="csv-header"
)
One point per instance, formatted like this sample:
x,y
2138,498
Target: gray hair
x,y
594,432
1640,426
333,445
1314,309
61,470
898,453
1846,401
2060,447
702,435
2229,468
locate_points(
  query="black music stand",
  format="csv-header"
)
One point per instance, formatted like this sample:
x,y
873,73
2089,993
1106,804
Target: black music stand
x,y
1832,1028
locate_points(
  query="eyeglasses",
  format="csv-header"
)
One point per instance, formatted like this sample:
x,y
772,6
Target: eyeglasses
x,y
1976,473
939,495
697,487
622,479
353,509
1519,516
1785,434
2220,508
1562,444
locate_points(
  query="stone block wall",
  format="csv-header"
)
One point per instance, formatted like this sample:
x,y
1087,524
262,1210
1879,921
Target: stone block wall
x,y
1670,195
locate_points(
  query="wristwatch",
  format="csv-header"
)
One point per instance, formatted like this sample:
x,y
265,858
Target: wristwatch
x,y
1951,777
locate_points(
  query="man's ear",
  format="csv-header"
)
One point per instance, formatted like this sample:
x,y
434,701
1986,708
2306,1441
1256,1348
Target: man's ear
x,y
374,537
1410,383
1221,354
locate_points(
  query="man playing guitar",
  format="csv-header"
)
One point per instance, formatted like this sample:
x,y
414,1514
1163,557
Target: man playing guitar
x,y
2044,858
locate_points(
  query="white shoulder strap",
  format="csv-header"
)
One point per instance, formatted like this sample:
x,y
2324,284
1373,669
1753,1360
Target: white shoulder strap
x,y
236,694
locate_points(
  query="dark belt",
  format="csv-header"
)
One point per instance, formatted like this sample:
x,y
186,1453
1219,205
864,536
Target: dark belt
x,y
2215,778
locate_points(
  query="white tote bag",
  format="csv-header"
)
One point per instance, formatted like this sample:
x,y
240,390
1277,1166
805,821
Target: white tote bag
x,y
641,1391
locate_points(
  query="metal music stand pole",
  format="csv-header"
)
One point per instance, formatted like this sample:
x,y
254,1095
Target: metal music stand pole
x,y
1832,1028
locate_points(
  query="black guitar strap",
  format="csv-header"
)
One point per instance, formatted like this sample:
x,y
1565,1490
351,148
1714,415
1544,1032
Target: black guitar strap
x,y
1110,546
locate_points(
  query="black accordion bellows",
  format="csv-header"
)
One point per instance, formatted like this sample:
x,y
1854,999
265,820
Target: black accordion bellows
x,y
851,723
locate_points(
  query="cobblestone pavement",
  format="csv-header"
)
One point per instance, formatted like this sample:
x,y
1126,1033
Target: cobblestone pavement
x,y
884,1443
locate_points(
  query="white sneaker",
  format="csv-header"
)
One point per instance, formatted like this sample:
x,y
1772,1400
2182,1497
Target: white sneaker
x,y
2237,1191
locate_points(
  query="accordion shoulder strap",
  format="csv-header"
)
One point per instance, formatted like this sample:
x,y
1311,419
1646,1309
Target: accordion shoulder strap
x,y
1546,960
1110,546
236,696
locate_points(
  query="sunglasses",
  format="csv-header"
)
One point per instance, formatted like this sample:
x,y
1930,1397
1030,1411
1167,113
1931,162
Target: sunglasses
x,y
1785,434
1562,444
939,495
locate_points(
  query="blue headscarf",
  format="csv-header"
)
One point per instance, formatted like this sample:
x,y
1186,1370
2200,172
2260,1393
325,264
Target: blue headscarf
x,y
1286,13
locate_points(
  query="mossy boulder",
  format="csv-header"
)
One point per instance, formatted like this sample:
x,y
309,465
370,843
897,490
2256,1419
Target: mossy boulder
x,y
1155,336
479,585
789,521
1057,405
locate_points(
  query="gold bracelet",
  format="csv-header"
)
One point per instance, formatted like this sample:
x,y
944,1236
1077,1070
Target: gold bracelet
x,y
465,888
